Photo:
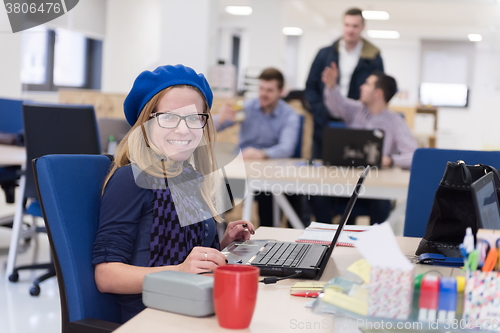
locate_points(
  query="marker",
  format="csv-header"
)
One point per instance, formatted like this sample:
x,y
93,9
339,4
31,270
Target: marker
x,y
491,260
429,297
314,295
447,300
472,261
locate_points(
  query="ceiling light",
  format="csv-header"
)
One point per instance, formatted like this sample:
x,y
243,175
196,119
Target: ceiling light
x,y
239,10
375,15
475,37
387,34
292,31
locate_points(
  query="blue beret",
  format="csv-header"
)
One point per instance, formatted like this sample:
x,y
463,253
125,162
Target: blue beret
x,y
148,84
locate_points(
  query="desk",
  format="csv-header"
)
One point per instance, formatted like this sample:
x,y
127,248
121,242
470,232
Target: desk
x,y
275,311
12,155
280,176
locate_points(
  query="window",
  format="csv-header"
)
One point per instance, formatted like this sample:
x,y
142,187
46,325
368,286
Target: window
x,y
444,94
34,58
446,73
60,58
69,58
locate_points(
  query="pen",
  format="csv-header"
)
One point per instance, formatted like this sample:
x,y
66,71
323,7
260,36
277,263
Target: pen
x,y
246,226
353,238
306,295
497,245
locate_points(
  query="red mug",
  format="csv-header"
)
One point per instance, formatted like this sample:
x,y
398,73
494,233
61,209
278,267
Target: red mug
x,y
235,294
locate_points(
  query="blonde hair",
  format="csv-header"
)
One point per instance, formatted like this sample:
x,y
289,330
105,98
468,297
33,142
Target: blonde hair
x,y
136,148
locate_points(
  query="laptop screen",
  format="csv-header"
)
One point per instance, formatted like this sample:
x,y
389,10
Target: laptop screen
x,y
345,216
486,202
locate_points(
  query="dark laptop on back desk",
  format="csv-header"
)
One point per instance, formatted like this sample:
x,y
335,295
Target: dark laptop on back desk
x,y
289,258
486,202
352,147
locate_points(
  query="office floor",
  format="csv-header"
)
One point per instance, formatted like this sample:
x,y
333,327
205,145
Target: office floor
x,y
19,311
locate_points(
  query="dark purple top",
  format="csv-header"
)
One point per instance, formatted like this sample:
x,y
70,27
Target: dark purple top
x,y
127,224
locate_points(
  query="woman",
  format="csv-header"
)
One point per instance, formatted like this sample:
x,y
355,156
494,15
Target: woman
x,y
163,193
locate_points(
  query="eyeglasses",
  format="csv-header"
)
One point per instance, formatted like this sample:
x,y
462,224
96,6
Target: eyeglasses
x,y
172,120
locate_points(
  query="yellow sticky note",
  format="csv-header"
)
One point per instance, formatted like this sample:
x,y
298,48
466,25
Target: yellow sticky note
x,y
312,286
362,269
357,304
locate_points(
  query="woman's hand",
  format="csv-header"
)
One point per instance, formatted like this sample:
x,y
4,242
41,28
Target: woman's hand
x,y
237,230
202,259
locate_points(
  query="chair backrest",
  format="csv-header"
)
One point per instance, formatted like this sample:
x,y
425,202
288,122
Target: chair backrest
x,y
70,191
11,121
427,169
57,129
11,115
116,127
298,147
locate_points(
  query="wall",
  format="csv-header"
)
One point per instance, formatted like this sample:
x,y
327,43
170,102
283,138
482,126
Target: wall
x,y
132,42
189,33
10,59
87,17
474,127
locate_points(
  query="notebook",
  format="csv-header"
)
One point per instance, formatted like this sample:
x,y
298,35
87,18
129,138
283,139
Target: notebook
x,y
302,260
352,147
486,202
322,233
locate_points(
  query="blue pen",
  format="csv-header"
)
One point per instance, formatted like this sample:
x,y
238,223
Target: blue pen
x,y
483,248
353,238
464,253
447,300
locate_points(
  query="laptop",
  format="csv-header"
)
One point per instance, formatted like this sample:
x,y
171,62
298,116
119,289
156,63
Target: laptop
x,y
303,260
352,147
486,202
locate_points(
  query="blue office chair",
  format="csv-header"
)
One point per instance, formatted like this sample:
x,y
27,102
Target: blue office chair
x,y
427,169
48,129
298,148
337,124
11,122
69,188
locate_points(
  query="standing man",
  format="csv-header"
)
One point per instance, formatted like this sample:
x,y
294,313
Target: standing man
x,y
356,59
270,129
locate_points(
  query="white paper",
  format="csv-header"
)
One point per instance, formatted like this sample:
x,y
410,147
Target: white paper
x,y
326,236
379,247
324,232
319,225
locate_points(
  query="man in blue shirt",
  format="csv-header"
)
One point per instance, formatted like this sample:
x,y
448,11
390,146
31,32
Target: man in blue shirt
x,y
270,129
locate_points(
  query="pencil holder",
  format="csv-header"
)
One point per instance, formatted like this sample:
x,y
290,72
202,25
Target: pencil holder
x,y
482,301
390,293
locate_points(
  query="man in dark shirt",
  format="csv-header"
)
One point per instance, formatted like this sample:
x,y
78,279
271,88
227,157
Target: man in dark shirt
x,y
356,59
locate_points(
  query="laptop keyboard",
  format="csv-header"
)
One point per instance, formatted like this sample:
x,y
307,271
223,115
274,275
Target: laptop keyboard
x,y
284,254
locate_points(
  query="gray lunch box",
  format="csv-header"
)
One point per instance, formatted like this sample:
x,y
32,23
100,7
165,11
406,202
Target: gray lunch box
x,y
183,293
